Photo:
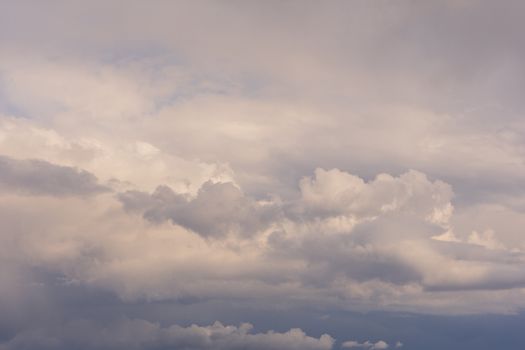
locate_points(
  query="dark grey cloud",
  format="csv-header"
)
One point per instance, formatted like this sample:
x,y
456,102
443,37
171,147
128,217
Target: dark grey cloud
x,y
217,209
38,177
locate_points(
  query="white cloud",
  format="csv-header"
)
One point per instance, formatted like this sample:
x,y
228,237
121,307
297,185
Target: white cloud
x,y
486,239
366,345
141,334
123,162
335,192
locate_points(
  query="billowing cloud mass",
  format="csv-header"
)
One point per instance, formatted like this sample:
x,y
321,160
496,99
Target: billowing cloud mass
x,y
217,209
291,165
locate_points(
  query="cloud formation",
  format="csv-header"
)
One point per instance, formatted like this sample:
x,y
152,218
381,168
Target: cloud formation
x,y
241,158
38,177
141,334
366,345
337,193
382,238
216,210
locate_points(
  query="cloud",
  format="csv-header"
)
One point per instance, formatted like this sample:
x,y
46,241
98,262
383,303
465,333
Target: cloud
x,y
141,334
486,239
216,210
379,345
38,177
261,158
347,228
335,192
268,251
124,163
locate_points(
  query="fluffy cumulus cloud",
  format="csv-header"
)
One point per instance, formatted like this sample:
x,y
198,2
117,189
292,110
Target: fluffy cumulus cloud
x,y
141,334
227,160
385,241
334,193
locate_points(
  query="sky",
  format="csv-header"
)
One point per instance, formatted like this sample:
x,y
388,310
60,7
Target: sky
x,y
262,175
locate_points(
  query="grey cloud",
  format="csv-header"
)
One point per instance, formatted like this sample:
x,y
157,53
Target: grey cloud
x,y
140,334
352,229
359,238
38,177
359,255
497,277
437,57
497,269
389,212
311,259
263,93
218,209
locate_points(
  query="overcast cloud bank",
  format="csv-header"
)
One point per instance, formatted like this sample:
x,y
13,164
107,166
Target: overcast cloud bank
x,y
346,156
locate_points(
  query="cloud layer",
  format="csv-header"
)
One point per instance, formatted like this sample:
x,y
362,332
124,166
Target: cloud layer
x,y
43,178
141,334
301,158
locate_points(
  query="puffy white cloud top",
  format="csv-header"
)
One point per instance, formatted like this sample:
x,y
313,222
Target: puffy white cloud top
x,y
141,334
